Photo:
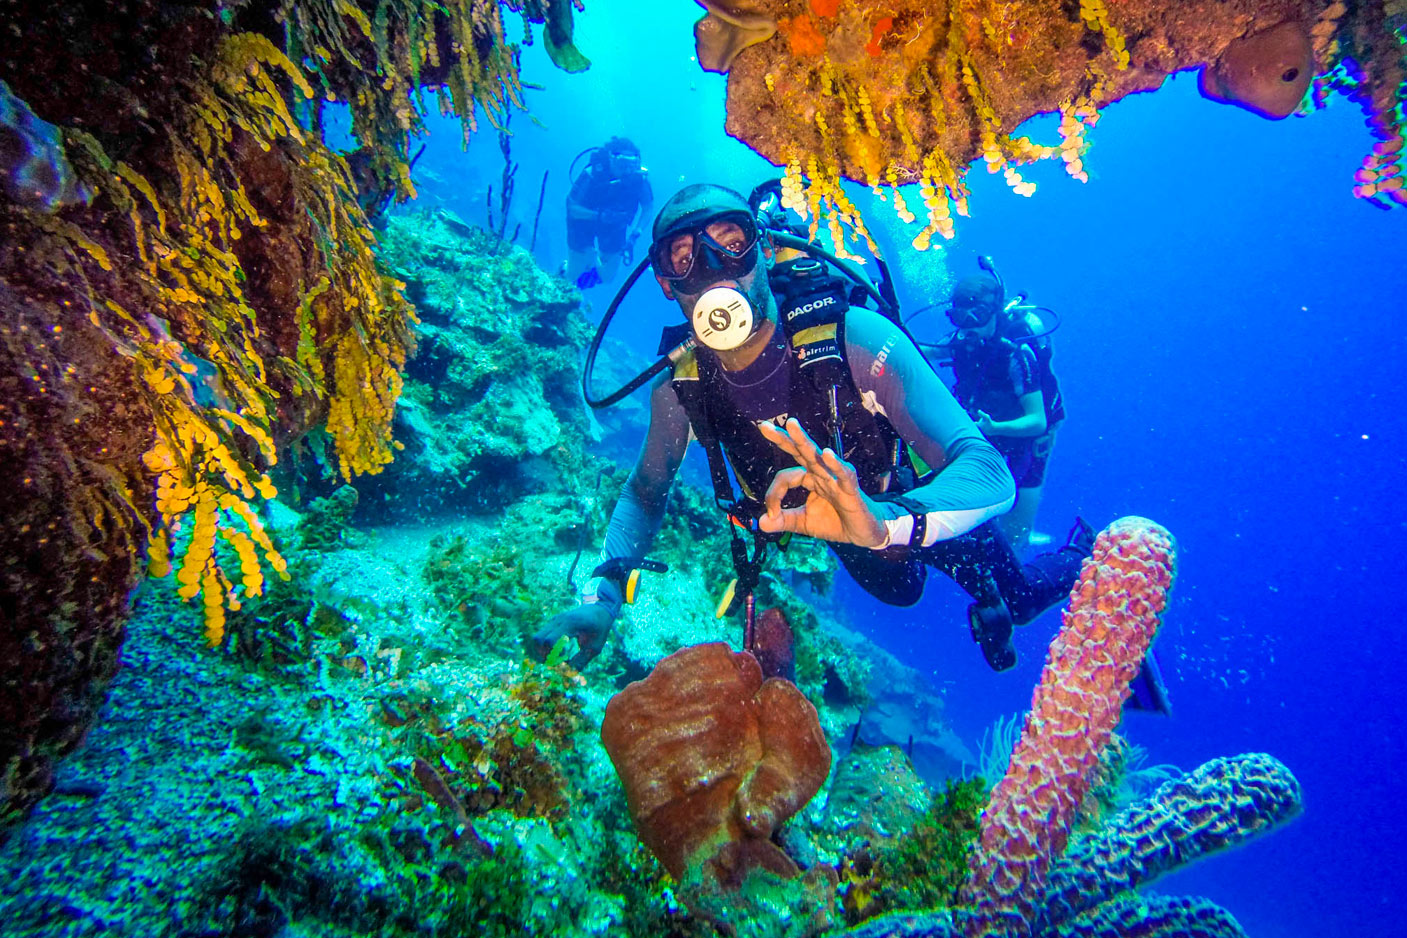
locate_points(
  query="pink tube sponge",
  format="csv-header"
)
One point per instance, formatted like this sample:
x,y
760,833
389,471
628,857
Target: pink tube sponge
x,y
1115,609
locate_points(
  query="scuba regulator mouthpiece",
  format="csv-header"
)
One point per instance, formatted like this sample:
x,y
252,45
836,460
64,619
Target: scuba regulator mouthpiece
x,y
723,319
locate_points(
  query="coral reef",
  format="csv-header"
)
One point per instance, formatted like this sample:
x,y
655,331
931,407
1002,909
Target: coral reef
x,y
492,406
1012,889
188,263
326,523
714,759
375,773
216,298
483,588
913,91
1154,917
1091,890
922,867
874,792
510,757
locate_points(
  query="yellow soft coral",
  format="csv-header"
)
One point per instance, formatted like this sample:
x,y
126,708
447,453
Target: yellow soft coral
x,y
209,459
1096,17
379,61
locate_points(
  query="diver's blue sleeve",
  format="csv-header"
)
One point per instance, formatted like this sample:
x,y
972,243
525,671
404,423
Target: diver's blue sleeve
x,y
640,510
973,483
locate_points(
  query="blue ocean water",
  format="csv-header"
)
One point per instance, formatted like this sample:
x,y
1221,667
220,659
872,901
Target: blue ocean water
x,y
1231,354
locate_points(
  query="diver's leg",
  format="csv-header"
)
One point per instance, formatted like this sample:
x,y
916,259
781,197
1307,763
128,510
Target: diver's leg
x,y
581,247
1019,453
1032,588
578,263
1031,487
1017,523
967,560
611,241
895,582
1007,593
609,267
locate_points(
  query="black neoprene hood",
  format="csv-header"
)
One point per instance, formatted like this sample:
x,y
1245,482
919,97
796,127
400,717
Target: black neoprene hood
x,y
978,291
694,204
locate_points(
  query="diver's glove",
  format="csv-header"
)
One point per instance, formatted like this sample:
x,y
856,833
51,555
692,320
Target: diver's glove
x,y
589,624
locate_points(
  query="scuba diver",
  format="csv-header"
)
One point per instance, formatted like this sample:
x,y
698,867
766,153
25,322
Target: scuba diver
x,y
604,203
832,422
1000,354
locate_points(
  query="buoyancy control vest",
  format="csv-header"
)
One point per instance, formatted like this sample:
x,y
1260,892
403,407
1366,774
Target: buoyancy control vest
x,y
982,372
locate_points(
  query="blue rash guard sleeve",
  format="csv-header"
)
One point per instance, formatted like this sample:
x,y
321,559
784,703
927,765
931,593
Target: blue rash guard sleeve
x,y
640,510
973,483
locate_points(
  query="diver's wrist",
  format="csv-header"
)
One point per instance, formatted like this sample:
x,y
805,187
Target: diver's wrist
x,y
602,591
898,530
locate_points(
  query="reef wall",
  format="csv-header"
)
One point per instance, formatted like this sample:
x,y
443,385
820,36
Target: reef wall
x,y
188,283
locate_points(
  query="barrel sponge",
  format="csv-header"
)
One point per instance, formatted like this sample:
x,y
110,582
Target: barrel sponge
x,y
714,759
1222,804
1115,609
1266,72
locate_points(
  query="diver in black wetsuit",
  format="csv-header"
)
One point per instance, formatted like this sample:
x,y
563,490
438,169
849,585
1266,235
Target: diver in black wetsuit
x,y
750,390
1003,378
602,207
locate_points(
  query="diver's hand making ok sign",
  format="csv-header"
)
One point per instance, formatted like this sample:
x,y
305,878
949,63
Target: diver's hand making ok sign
x,y
835,508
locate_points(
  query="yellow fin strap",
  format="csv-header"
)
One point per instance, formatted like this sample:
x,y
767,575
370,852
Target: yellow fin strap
x,y
727,599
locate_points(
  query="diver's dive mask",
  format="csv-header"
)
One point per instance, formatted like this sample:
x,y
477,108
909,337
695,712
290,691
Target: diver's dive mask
x,y
695,256
624,163
970,315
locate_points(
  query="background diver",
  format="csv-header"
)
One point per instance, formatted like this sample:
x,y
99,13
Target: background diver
x,y
605,202
781,364
1000,354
